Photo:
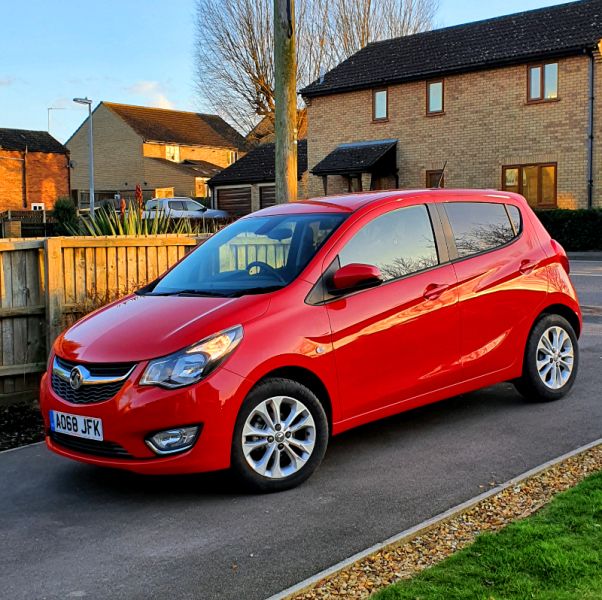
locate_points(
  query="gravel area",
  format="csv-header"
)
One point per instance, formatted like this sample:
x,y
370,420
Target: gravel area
x,y
20,424
402,560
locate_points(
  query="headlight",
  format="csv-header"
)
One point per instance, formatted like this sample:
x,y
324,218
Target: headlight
x,y
192,364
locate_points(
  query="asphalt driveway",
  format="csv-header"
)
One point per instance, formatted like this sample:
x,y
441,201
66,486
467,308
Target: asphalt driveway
x,y
72,531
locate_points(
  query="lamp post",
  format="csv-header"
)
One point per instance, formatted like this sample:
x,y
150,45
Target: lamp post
x,y
91,151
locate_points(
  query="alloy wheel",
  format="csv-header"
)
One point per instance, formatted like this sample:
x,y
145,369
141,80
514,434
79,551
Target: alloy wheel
x,y
278,437
555,357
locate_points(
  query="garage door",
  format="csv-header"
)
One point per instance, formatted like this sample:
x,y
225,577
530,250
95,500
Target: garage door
x,y
237,201
267,195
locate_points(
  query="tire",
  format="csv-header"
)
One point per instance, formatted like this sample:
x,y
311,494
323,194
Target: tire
x,y
549,367
268,459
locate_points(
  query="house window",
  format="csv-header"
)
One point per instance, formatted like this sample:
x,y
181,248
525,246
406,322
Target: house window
x,y
434,97
172,153
542,82
200,187
435,179
232,156
380,105
537,183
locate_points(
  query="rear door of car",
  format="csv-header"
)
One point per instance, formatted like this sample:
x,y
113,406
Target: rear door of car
x,y
398,340
498,264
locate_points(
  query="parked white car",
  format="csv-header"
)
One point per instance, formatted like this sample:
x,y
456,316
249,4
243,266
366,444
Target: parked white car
x,y
181,208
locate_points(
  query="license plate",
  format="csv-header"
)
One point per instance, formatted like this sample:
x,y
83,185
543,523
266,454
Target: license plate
x,y
83,427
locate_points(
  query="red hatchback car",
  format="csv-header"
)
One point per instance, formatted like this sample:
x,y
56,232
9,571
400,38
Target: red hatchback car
x,y
303,320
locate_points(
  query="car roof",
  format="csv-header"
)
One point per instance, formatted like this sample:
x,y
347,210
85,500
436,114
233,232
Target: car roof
x,y
173,198
348,203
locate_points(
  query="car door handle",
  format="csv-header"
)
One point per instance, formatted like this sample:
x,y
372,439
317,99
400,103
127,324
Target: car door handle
x,y
526,266
434,290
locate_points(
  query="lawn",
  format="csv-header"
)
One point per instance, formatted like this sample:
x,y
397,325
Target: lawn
x,y
555,554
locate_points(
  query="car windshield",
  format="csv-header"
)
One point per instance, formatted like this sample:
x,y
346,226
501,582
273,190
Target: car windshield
x,y
251,256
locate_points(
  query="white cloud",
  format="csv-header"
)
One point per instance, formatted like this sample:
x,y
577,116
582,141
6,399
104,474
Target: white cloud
x,y
153,93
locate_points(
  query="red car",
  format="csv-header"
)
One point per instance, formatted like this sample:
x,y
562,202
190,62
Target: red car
x,y
303,320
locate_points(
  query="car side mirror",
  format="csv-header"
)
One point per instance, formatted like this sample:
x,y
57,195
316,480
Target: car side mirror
x,y
356,276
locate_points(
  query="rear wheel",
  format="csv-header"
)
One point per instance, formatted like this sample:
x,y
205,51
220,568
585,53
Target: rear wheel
x,y
551,360
280,436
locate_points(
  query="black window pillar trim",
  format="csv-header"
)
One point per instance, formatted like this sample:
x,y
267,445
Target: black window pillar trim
x,y
450,242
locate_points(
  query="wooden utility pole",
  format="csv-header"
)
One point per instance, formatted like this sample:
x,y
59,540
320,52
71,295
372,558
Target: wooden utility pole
x,y
285,98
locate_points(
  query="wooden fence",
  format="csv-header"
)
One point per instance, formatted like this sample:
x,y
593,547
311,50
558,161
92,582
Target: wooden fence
x,y
46,284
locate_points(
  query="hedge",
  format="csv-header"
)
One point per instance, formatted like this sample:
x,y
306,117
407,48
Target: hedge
x,y
576,230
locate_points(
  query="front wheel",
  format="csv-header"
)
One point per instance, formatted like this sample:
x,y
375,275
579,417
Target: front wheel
x,y
280,436
551,360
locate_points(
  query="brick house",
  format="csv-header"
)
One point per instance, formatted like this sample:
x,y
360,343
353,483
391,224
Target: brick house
x,y
248,184
34,169
166,152
508,103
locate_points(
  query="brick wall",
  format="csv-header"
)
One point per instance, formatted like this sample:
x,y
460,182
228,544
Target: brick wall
x,y
487,124
117,154
47,179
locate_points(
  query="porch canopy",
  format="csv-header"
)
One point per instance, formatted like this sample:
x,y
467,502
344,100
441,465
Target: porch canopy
x,y
359,157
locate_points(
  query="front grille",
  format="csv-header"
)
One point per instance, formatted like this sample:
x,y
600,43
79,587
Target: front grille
x,y
88,394
94,447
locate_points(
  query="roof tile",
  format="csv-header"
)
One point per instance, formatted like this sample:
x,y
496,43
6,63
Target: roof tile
x,y
552,31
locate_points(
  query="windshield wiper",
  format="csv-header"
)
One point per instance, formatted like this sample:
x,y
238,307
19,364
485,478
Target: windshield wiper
x,y
256,290
190,292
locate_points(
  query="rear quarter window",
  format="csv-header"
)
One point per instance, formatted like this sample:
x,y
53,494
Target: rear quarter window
x,y
515,217
479,226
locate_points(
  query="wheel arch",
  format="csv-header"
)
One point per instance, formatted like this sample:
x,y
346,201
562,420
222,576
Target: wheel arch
x,y
310,380
564,311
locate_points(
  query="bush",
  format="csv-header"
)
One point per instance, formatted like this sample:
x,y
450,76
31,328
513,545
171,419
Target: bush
x,y
65,214
576,230
109,222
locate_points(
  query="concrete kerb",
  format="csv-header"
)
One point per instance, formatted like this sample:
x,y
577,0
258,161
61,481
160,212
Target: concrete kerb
x,y
408,534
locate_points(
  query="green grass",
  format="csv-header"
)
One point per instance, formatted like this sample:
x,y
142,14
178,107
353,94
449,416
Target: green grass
x,y
555,554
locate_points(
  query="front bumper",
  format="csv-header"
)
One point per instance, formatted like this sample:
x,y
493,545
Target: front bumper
x,y
136,411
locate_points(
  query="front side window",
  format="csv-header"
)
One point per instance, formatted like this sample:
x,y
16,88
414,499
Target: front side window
x,y
542,82
434,97
192,205
478,226
380,106
537,183
398,243
251,256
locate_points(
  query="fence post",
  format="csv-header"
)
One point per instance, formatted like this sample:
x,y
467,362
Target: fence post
x,y
54,287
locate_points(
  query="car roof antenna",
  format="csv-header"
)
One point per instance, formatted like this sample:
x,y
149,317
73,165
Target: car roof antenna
x,y
441,176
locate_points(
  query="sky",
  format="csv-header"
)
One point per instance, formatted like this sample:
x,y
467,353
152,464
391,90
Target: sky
x,y
130,51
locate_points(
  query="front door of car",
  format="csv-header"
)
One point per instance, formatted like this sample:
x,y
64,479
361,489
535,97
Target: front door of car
x,y
398,340
194,210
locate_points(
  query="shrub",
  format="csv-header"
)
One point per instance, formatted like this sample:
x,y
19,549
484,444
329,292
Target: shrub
x,y
109,222
65,214
576,230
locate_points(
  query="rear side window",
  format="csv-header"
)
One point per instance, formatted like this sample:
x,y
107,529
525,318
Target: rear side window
x,y
398,243
478,226
176,205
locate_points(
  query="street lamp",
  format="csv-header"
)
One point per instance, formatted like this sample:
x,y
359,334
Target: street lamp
x,y
91,150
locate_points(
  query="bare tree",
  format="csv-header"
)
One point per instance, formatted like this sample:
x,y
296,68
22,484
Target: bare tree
x,y
234,51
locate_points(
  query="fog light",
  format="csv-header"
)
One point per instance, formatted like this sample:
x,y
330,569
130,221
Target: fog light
x,y
173,440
